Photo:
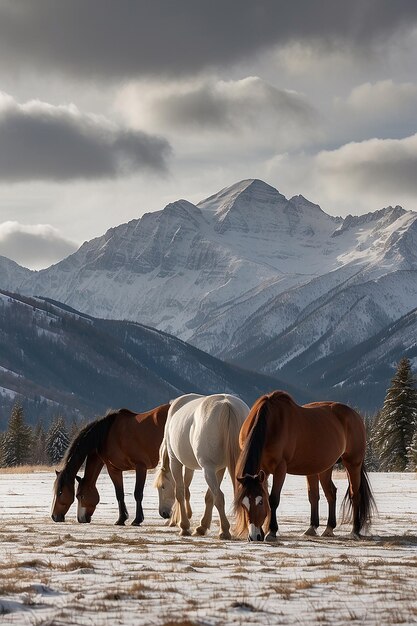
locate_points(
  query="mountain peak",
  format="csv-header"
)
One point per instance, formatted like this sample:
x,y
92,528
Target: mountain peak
x,y
250,188
250,205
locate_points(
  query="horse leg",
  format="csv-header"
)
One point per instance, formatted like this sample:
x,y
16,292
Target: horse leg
x,y
116,476
330,491
274,498
205,521
313,498
139,485
188,476
214,484
176,470
354,474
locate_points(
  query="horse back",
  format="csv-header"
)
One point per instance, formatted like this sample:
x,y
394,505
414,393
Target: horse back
x,y
135,439
311,438
199,429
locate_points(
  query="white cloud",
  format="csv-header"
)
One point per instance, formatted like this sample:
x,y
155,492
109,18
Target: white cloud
x,y
388,165
33,245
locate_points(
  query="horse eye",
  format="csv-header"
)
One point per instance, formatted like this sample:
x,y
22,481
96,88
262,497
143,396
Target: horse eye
x,y
163,487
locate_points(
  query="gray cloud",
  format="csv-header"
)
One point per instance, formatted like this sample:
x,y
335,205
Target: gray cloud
x,y
231,105
34,246
232,116
375,166
44,142
383,109
98,39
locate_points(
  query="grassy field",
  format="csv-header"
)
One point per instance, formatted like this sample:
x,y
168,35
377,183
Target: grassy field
x,y
56,574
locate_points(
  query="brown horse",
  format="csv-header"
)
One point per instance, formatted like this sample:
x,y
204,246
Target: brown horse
x,y
122,441
280,437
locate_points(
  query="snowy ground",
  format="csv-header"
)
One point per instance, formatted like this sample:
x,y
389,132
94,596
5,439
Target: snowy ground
x,y
100,574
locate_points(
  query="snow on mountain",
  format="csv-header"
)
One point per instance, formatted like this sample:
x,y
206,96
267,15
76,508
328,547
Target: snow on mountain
x,y
243,270
364,371
335,322
54,359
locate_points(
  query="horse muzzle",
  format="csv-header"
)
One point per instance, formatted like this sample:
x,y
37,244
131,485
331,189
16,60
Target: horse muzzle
x,y
255,533
165,513
58,517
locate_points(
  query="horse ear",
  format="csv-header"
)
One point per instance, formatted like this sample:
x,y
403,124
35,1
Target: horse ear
x,y
57,473
261,476
240,479
78,479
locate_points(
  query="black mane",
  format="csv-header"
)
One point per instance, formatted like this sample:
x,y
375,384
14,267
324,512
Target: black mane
x,y
250,459
88,439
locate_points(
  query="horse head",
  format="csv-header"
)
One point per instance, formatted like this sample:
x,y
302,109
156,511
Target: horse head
x,y
252,504
63,497
88,498
166,492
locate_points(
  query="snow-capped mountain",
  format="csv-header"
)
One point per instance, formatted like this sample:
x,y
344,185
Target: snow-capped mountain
x,y
246,275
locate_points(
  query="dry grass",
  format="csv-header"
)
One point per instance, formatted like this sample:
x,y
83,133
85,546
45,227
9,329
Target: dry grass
x,y
28,469
182,622
8,588
74,565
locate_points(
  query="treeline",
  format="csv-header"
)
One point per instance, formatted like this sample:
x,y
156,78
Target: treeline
x,y
21,444
391,433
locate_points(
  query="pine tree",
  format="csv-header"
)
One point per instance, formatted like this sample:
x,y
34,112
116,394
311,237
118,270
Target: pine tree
x,y
2,460
396,424
372,459
17,440
38,452
412,453
57,441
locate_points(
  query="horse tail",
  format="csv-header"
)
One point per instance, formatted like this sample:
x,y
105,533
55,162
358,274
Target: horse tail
x,y
233,424
367,504
250,459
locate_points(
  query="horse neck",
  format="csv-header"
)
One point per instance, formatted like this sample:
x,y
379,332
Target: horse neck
x,y
93,467
84,444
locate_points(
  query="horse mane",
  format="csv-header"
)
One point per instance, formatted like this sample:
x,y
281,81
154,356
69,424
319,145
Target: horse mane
x,y
89,438
250,456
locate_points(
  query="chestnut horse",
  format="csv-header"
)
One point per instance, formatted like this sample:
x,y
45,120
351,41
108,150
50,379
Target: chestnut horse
x,y
280,437
122,441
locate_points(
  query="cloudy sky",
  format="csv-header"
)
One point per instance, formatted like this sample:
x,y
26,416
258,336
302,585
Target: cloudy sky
x,y
110,110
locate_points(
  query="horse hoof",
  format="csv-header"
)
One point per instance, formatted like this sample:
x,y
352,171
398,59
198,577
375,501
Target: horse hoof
x,y
120,522
225,535
185,532
136,522
311,532
328,532
356,536
271,538
200,531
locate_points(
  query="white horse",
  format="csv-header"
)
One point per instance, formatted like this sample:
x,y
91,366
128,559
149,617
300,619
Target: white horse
x,y
201,432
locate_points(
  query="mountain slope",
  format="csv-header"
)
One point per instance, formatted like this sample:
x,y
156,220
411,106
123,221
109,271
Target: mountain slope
x,y
266,282
363,373
55,360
